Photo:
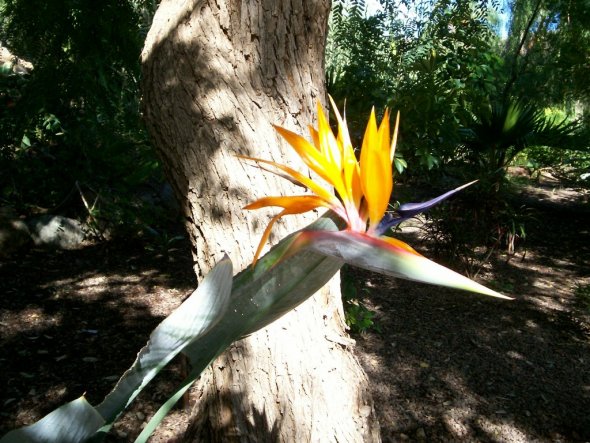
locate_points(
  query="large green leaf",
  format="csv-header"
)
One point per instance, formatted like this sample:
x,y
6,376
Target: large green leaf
x,y
259,296
78,420
293,271
197,315
73,422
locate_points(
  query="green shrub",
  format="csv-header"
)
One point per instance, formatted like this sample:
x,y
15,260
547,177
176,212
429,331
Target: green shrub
x,y
73,130
358,317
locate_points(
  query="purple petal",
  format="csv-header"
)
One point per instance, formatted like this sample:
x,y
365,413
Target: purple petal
x,y
409,210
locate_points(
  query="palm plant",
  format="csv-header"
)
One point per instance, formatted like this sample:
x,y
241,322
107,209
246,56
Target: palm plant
x,y
507,128
496,135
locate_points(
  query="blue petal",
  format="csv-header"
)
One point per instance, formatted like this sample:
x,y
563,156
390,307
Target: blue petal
x,y
409,210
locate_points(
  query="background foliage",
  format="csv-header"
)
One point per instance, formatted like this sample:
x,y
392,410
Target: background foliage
x,y
478,86
447,66
71,126
481,85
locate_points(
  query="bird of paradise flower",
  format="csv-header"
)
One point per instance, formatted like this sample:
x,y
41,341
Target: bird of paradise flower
x,y
362,191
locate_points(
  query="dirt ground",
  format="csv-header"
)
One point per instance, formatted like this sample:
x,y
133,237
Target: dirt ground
x,y
445,366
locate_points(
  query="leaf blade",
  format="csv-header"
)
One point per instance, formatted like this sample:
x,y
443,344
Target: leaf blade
x,y
73,422
171,336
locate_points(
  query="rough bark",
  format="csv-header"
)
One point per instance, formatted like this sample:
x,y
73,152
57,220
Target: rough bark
x,y
216,76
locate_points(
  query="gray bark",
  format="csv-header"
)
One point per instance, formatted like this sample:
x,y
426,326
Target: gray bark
x,y
216,76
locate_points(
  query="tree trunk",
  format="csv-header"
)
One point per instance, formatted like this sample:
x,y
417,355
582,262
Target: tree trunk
x,y
216,75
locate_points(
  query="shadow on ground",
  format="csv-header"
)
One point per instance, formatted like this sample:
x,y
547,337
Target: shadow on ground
x,y
71,322
452,366
447,366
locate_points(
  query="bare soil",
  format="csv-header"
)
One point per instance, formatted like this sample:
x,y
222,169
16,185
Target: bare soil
x,y
445,366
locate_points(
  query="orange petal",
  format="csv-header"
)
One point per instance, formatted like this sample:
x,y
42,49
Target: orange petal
x,y
265,236
350,167
294,204
308,153
332,151
305,181
384,168
314,136
376,175
343,135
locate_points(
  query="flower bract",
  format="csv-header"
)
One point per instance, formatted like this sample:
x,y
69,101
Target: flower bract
x,y
358,190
